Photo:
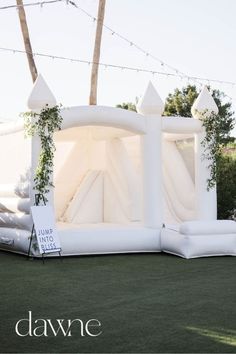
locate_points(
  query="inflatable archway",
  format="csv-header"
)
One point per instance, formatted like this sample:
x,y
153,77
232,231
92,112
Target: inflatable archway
x,y
124,181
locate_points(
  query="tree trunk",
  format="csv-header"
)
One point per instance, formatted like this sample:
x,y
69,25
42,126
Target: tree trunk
x,y
26,37
96,53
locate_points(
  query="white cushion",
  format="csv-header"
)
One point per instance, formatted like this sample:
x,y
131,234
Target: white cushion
x,y
208,227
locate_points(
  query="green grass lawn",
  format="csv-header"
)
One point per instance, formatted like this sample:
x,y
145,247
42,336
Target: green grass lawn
x,y
146,303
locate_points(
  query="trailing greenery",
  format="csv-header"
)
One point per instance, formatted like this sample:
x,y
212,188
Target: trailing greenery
x,y
219,145
212,144
44,124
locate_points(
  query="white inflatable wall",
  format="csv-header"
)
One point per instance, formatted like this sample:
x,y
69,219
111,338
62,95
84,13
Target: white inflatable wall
x,y
121,183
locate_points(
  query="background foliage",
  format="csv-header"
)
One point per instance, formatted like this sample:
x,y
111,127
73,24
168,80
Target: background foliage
x,y
180,102
226,186
130,106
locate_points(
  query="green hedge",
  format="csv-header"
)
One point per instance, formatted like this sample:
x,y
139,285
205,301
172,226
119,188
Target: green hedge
x,y
226,187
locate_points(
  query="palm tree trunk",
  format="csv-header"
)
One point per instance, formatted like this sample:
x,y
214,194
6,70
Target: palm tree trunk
x,y
26,37
96,53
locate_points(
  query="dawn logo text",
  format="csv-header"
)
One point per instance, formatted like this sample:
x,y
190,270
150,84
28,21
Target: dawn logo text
x,y
47,327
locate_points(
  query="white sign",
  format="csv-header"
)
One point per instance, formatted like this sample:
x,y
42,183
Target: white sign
x,y
45,229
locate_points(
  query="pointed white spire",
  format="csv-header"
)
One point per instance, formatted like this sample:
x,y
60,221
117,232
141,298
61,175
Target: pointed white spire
x,y
204,104
40,95
150,103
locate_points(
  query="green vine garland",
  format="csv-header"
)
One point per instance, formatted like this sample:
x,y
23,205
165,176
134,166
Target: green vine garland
x,y
44,124
212,144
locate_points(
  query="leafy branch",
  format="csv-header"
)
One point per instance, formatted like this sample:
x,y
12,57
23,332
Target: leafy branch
x,y
212,143
44,124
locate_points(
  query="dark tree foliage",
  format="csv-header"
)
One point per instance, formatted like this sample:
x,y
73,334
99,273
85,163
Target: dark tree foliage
x,y
127,105
226,114
226,188
180,102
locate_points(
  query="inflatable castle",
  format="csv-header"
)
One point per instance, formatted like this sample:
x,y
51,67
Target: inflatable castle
x,y
123,181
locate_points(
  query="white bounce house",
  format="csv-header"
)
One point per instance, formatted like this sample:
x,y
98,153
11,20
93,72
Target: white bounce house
x,y
124,181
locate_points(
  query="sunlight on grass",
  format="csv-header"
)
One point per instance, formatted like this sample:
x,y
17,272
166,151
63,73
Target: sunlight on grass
x,y
225,336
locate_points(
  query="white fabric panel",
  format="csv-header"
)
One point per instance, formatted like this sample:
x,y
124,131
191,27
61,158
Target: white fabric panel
x,y
12,127
97,155
215,227
87,204
14,158
115,209
13,190
181,212
178,184
178,174
121,181
116,189
133,148
186,150
90,208
70,166
72,161
15,205
170,216
122,197
16,220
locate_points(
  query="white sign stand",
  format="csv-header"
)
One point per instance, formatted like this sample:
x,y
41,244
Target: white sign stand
x,y
44,228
